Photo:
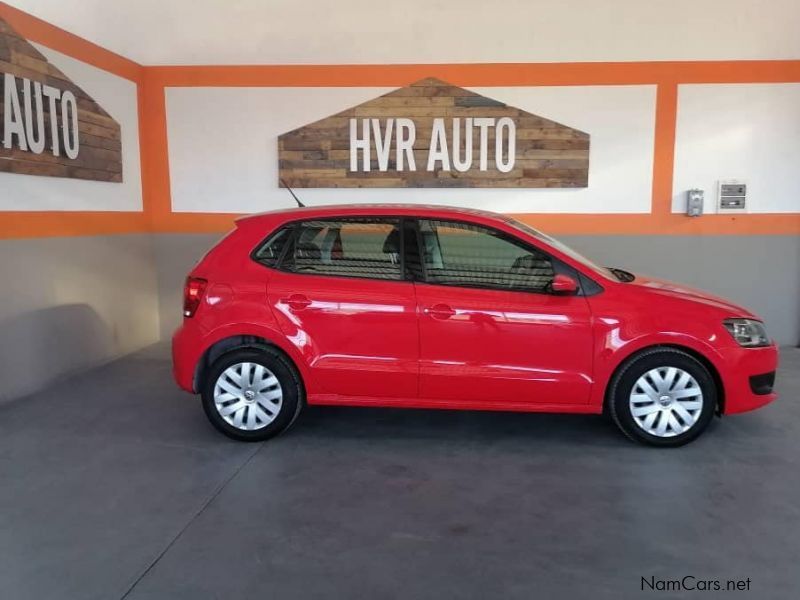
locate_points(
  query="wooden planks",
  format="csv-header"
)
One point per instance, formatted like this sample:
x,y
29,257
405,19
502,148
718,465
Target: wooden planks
x,y
99,156
546,153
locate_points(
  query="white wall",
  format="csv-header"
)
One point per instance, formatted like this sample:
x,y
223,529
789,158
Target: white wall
x,y
223,148
749,132
422,31
118,97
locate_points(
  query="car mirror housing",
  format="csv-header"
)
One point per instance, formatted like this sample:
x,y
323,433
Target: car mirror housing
x,y
564,285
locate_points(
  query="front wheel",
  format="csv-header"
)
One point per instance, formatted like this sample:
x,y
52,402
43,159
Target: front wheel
x,y
252,394
662,397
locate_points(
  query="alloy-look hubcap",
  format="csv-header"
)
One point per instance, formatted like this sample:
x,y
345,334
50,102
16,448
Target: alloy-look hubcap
x,y
248,396
666,401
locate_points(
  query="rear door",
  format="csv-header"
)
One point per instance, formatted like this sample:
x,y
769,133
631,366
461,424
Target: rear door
x,y
490,330
340,296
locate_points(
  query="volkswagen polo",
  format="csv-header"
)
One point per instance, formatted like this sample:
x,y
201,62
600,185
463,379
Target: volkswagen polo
x,y
435,307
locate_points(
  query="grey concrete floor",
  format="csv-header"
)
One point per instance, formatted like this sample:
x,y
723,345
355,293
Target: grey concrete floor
x,y
112,485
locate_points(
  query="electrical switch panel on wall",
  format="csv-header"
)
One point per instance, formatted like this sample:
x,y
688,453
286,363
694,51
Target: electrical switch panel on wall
x,y
732,196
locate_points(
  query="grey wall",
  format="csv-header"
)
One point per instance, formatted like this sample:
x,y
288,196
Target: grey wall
x,y
175,255
759,272
70,303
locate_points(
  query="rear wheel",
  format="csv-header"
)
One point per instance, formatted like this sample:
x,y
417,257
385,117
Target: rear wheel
x,y
252,394
662,397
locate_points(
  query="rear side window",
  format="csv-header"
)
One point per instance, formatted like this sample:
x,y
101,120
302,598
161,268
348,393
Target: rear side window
x,y
462,254
365,247
272,250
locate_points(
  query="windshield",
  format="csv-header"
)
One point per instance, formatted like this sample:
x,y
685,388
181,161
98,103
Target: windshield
x,y
562,247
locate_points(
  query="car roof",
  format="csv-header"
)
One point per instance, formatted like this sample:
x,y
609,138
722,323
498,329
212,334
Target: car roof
x,y
345,210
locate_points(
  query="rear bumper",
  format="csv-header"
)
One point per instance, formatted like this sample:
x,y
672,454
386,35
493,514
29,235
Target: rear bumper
x,y
186,351
748,378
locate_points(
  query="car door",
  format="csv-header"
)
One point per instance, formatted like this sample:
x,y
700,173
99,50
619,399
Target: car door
x,y
489,329
340,296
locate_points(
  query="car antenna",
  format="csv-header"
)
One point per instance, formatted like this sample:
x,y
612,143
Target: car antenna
x,y
296,199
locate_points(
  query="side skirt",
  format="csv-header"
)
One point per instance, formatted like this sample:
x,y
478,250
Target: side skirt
x,y
336,400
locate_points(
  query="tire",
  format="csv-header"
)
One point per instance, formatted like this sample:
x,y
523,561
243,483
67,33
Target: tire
x,y
252,414
662,397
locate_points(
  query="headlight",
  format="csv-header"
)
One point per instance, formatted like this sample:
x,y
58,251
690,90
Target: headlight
x,y
748,333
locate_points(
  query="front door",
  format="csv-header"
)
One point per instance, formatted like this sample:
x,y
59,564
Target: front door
x,y
490,330
341,298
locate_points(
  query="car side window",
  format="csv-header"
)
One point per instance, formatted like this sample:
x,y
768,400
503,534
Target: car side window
x,y
464,254
270,252
364,247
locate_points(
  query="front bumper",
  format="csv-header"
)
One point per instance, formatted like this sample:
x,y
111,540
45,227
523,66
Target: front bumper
x,y
748,375
761,385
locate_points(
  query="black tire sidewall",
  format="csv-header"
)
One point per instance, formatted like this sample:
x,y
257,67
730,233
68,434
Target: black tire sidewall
x,y
286,374
634,368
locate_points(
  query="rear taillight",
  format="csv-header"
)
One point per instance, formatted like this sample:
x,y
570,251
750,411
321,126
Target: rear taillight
x,y
192,295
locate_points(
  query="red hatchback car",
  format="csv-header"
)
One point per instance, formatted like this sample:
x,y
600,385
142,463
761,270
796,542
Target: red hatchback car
x,y
435,307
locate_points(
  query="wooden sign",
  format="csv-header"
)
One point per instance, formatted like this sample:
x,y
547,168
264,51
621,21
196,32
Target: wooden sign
x,y
48,125
433,134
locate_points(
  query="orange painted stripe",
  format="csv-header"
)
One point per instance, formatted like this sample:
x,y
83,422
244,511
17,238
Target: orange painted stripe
x,y
14,225
44,33
55,224
664,147
488,74
156,198
196,222
672,224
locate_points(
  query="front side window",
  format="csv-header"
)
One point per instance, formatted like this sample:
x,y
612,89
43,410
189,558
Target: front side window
x,y
367,248
561,246
473,256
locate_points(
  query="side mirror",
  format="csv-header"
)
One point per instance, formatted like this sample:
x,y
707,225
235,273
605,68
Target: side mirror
x,y
564,285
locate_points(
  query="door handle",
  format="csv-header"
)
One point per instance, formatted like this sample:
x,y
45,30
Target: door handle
x,y
296,302
439,311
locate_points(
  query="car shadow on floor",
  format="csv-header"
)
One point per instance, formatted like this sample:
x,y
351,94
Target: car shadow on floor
x,y
459,426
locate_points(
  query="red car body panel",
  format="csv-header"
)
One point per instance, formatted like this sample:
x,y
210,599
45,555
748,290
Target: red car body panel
x,y
402,343
358,337
496,345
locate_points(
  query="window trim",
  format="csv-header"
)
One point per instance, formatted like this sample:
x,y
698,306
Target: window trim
x,y
295,224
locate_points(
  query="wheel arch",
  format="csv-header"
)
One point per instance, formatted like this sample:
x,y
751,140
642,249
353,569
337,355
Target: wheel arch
x,y
228,343
691,351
